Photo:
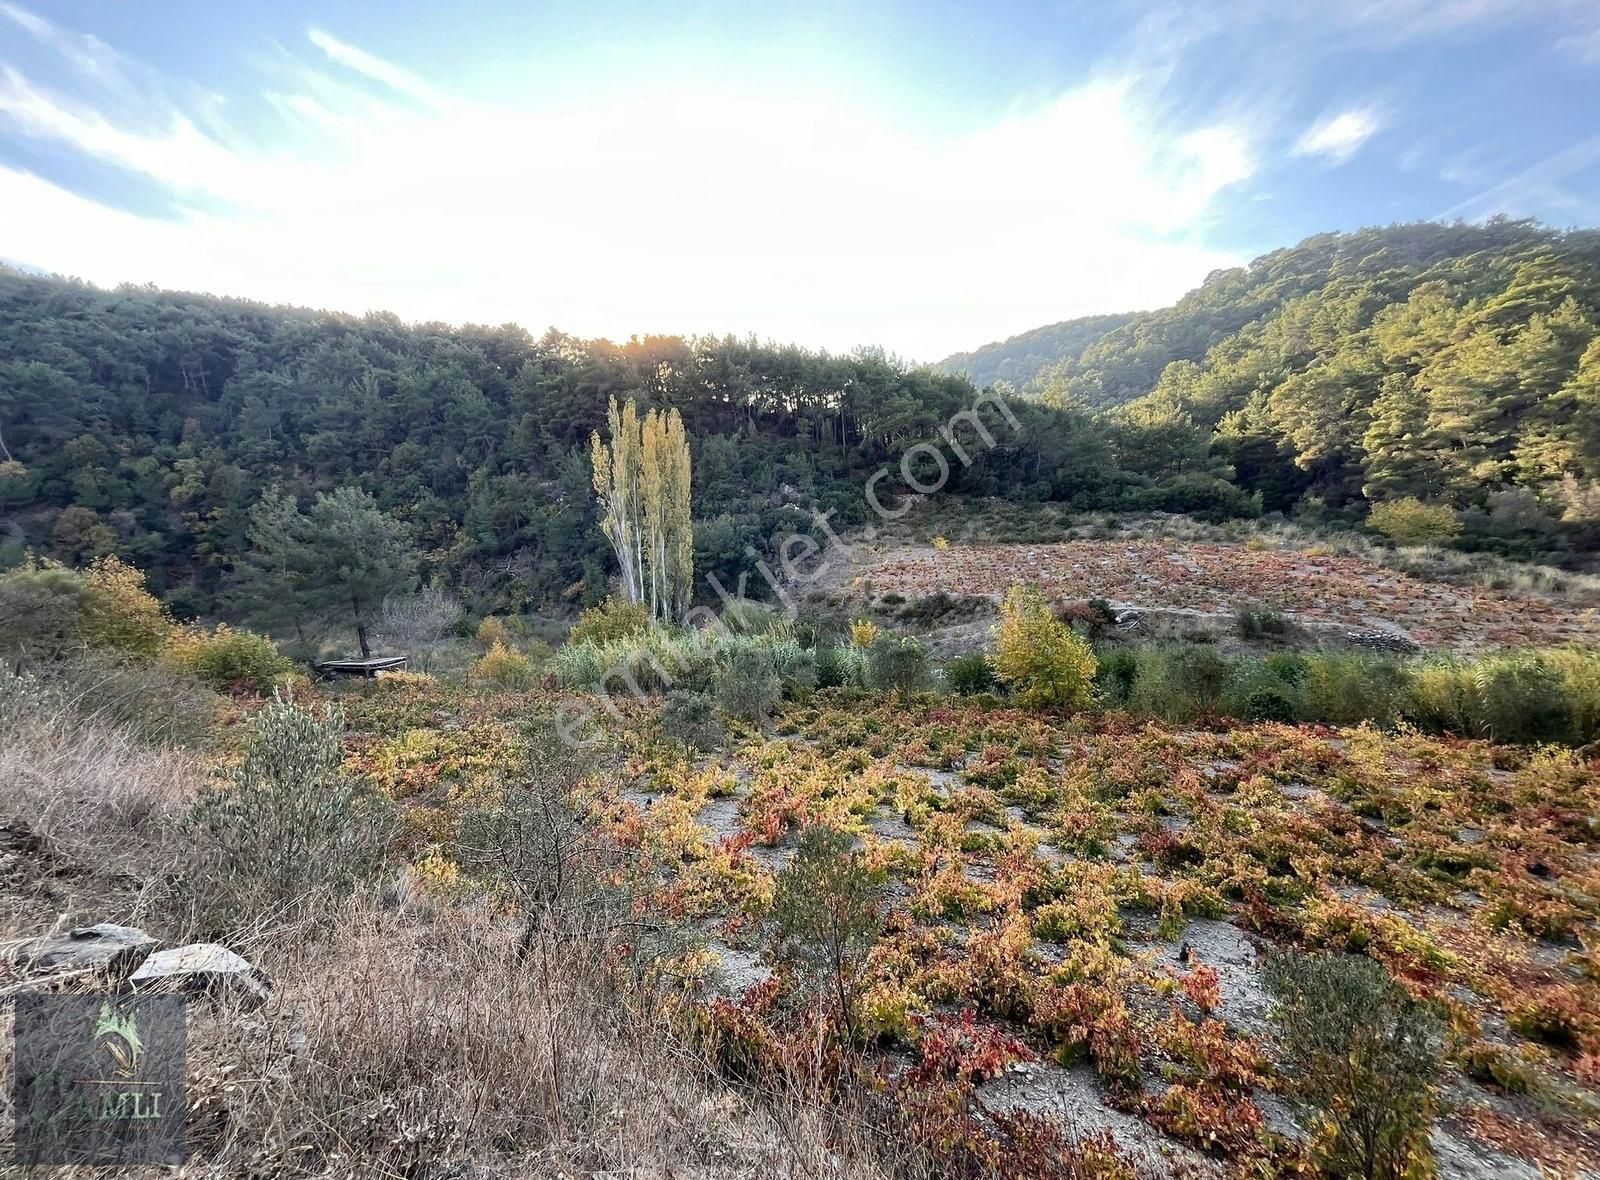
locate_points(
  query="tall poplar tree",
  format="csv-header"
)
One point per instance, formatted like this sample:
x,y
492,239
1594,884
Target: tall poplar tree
x,y
641,478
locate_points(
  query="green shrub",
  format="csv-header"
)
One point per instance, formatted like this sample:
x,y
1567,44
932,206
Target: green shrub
x,y
1364,1057
531,843
691,718
840,667
1179,683
229,660
744,616
1347,688
827,915
1520,698
897,663
969,674
42,605
1115,673
1580,681
1409,521
796,666
613,620
1526,696
749,687
289,828
1253,622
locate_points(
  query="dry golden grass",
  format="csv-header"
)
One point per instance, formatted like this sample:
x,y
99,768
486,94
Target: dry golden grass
x,y
420,1044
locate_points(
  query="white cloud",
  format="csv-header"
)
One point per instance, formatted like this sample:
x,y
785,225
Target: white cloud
x,y
400,80
1339,137
1537,187
672,209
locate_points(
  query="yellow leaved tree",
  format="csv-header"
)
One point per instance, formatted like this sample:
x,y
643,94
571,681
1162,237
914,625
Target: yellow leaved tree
x,y
1039,657
641,477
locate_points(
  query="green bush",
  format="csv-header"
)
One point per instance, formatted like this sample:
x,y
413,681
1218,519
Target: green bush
x,y
613,620
1522,696
969,674
1347,688
1409,521
1580,681
1363,1057
749,687
530,842
827,915
42,605
1179,682
289,828
229,660
744,616
691,718
897,663
1117,670
1254,622
841,667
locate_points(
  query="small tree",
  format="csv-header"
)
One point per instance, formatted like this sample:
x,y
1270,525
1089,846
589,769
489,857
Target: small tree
x,y
827,915
347,553
749,686
532,843
288,826
1409,521
1042,659
897,663
1363,1056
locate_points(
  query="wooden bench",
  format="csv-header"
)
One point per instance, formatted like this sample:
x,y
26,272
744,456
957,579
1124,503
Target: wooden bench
x,y
368,669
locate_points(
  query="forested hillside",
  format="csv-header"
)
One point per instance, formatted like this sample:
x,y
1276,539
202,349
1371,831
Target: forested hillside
x,y
1447,362
151,424
1020,359
1456,364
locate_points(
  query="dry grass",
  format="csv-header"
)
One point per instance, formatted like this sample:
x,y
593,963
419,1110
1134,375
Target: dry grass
x,y
416,1044
406,1037
104,808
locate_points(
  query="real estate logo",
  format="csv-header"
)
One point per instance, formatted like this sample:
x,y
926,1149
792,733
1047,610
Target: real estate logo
x,y
99,1079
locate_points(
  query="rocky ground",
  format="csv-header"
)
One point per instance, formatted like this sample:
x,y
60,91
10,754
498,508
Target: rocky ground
x,y
1208,581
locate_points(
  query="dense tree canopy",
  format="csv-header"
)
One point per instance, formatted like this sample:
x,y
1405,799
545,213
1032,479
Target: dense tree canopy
x,y
1451,363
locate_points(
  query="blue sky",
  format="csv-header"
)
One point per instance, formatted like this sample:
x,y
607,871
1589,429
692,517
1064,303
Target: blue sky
x,y
920,177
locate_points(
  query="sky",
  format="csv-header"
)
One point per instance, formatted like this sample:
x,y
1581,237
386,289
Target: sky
x,y
917,177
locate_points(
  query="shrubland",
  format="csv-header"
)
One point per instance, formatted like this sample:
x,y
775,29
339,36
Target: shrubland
x,y
943,893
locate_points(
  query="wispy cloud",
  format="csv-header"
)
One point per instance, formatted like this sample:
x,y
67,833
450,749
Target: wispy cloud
x,y
1338,137
675,208
386,73
1538,186
91,56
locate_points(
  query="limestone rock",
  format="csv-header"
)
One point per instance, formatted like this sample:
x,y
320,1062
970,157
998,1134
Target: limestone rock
x,y
204,968
104,946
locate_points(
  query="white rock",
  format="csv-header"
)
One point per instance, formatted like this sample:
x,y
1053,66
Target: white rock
x,y
204,967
